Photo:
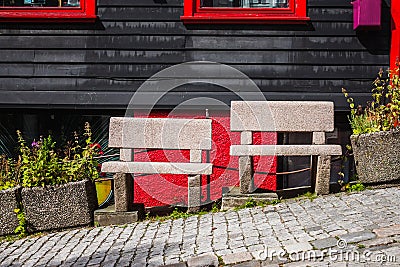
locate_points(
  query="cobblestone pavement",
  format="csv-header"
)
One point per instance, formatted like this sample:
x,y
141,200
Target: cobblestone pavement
x,y
336,230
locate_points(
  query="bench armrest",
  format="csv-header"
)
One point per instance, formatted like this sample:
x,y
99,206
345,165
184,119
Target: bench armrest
x,y
156,167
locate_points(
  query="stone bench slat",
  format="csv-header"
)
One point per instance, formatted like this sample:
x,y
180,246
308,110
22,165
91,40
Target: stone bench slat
x,y
160,133
157,167
286,150
282,116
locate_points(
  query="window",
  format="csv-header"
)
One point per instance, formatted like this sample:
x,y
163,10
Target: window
x,y
245,11
48,10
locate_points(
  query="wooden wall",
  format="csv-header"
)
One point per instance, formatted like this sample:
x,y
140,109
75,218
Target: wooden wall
x,y
100,65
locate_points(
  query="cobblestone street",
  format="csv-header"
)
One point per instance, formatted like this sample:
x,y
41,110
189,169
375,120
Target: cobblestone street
x,y
337,230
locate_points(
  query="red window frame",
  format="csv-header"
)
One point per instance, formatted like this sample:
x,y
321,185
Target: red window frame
x,y
296,13
86,12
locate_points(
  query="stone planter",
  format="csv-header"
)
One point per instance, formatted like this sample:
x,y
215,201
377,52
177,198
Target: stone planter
x,y
8,202
59,206
377,156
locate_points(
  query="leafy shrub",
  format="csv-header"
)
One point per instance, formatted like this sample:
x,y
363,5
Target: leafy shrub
x,y
21,228
9,172
80,163
40,163
355,187
43,164
177,214
383,112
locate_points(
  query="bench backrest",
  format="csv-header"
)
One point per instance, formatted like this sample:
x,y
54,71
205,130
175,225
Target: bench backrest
x,y
160,133
282,116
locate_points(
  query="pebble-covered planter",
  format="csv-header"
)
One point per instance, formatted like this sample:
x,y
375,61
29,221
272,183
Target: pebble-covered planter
x,y
8,202
377,156
59,206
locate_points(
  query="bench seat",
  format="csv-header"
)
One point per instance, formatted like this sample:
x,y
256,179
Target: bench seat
x,y
157,167
286,150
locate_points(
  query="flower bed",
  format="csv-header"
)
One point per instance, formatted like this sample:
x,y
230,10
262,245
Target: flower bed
x,y
57,185
376,130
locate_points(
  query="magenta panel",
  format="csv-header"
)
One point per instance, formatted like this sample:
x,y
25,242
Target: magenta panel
x,y
367,14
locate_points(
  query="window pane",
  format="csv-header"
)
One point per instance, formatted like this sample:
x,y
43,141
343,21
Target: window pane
x,y
40,3
246,3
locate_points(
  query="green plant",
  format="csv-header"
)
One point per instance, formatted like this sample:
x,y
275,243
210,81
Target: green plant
x,y
40,164
9,238
21,228
177,214
9,172
220,261
383,112
310,196
355,187
250,203
216,207
79,162
274,202
43,164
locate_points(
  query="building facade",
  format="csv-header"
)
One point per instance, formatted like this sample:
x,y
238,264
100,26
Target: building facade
x,y
61,68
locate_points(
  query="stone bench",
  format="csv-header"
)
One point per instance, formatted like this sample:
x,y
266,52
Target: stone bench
x,y
162,134
284,116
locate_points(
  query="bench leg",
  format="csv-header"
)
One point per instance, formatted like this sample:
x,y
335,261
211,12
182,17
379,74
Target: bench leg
x,y
323,175
194,193
123,192
246,174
